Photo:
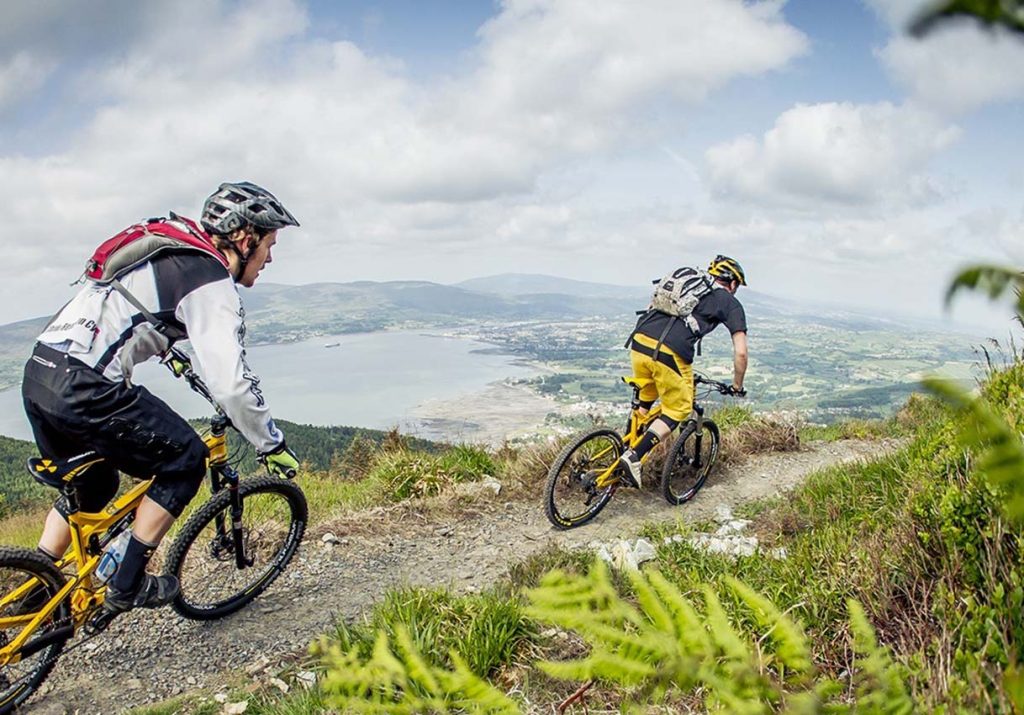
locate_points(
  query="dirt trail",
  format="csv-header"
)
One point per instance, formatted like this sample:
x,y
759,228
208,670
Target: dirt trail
x,y
150,656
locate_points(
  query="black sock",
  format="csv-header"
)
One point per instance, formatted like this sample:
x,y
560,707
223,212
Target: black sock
x,y
133,566
47,554
647,443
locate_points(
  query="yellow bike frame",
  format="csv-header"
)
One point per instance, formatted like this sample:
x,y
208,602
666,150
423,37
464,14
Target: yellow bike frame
x,y
84,552
635,427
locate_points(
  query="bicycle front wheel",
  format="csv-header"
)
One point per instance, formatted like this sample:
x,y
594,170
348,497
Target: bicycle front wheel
x,y
28,580
689,461
573,497
274,515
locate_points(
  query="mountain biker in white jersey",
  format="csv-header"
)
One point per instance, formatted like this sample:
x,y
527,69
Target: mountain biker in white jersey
x,y
79,396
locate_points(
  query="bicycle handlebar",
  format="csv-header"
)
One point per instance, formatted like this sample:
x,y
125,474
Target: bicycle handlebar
x,y
717,386
180,365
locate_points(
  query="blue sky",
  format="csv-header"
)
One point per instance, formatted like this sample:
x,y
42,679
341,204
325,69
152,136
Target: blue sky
x,y
837,158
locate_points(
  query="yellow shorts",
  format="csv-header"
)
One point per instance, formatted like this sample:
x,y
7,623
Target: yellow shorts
x,y
673,378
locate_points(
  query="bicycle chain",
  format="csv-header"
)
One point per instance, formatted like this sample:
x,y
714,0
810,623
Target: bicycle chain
x,y
68,621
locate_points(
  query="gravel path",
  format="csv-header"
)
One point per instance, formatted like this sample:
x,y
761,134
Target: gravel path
x,y
151,656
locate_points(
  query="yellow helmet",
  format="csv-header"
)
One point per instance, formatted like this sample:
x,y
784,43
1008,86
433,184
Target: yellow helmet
x,y
728,269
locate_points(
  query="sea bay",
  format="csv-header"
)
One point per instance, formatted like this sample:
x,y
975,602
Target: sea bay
x,y
373,380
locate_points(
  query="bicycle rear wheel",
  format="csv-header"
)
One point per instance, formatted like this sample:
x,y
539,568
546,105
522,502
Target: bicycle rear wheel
x,y
274,515
689,461
573,498
36,580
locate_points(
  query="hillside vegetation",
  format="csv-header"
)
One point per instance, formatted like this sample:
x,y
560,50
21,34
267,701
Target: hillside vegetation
x,y
901,590
340,452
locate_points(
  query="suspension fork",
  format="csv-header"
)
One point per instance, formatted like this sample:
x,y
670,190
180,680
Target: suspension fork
x,y
224,476
698,433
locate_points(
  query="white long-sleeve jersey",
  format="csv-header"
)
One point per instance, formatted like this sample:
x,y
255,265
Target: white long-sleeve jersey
x,y
191,292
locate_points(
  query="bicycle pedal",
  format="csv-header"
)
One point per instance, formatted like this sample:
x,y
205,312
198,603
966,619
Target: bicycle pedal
x,y
99,622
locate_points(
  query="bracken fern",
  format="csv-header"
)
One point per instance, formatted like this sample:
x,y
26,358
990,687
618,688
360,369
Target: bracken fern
x,y
401,681
665,643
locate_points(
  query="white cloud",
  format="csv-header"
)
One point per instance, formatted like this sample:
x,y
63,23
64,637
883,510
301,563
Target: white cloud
x,y
20,76
837,153
352,145
958,68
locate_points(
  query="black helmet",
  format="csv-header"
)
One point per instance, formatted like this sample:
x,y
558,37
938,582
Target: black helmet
x,y
235,206
728,269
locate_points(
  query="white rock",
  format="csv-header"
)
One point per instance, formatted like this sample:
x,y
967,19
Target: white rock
x,y
307,678
280,685
221,697
622,556
602,553
779,553
235,708
491,485
723,513
330,538
643,550
745,548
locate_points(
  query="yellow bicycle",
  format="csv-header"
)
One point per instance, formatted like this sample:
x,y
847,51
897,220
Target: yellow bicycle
x,y
227,552
586,475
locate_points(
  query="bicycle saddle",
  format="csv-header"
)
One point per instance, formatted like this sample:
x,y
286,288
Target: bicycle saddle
x,y
57,473
638,382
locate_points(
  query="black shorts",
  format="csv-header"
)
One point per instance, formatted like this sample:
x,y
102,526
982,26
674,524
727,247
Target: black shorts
x,y
73,408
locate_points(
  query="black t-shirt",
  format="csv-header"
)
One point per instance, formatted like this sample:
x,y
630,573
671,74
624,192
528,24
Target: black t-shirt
x,y
718,307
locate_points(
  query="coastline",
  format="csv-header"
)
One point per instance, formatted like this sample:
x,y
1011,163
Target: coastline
x,y
492,416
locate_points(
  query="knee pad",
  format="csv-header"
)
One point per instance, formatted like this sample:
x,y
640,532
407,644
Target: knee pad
x,y
671,423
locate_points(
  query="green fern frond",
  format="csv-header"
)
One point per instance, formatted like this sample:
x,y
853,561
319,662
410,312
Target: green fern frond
x,y
880,686
991,13
791,642
651,603
673,646
560,598
689,627
416,672
475,695
404,683
722,632
991,280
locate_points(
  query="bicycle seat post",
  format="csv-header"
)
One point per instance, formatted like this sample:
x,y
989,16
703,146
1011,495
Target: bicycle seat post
x,y
70,492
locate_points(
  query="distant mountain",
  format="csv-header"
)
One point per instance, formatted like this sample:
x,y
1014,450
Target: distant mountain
x,y
282,313
532,283
328,305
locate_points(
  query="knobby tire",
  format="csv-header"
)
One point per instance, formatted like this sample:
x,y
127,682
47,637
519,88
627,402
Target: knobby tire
x,y
680,479
567,478
19,680
202,555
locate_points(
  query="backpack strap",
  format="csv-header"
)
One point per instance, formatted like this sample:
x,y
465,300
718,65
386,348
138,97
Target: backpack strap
x,y
170,332
661,339
647,315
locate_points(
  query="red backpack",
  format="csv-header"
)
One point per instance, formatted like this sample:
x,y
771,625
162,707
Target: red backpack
x,y
142,242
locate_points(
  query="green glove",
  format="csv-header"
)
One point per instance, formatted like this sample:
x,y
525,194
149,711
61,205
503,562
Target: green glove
x,y
178,367
281,462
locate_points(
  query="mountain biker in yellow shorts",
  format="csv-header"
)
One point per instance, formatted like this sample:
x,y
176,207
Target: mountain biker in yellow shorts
x,y
664,353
